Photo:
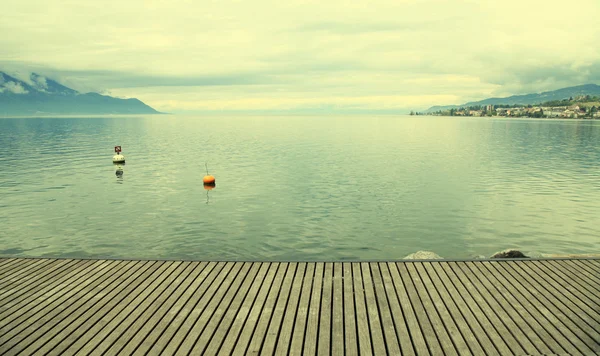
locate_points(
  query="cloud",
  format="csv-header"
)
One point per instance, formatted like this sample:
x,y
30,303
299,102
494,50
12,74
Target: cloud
x,y
39,82
12,87
305,52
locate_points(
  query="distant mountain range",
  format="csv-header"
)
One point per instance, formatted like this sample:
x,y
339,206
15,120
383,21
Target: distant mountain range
x,y
565,93
43,96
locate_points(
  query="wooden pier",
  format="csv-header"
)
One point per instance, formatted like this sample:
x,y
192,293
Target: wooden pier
x,y
500,307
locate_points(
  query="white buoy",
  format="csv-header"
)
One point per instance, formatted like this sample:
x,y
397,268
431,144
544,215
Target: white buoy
x,y
118,158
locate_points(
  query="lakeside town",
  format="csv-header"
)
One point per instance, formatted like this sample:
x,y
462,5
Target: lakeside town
x,y
581,107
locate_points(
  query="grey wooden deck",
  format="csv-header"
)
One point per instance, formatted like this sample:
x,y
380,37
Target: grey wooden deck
x,y
64,306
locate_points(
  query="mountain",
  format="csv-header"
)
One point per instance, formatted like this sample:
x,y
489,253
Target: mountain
x,y
564,93
43,96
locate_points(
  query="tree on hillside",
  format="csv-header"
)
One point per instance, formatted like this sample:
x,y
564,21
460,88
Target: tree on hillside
x,y
538,114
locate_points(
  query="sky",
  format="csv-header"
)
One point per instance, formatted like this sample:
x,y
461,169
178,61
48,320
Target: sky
x,y
303,55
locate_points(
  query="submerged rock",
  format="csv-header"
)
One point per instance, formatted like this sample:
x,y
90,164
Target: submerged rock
x,y
510,253
423,255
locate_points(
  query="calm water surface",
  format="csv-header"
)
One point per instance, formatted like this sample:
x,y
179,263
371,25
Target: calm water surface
x,y
298,188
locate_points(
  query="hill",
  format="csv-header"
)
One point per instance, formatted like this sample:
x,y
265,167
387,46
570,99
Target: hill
x,y
560,94
43,96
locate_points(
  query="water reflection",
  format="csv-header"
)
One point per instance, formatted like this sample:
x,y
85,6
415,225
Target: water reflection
x,y
208,188
119,172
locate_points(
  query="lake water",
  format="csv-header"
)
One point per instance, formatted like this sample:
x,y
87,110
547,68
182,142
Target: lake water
x,y
298,188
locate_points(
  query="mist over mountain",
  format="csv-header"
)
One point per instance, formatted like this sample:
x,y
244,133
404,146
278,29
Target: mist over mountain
x,y
39,95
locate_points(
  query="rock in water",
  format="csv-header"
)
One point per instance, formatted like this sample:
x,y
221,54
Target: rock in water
x,y
423,255
510,253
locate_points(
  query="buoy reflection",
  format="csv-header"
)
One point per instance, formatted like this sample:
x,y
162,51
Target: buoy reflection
x,y
119,171
208,187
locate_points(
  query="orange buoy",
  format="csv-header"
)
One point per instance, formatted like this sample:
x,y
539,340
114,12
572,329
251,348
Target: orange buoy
x,y
209,186
209,180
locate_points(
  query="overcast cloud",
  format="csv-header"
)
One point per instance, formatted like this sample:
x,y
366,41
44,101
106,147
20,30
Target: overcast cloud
x,y
303,54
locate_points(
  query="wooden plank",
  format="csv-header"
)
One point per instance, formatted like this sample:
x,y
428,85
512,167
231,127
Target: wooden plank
x,y
350,337
77,314
270,339
594,263
6,258
428,326
250,309
128,322
18,274
15,288
136,307
374,312
6,261
589,266
592,266
253,334
393,324
582,290
580,268
44,321
78,325
212,296
576,330
29,287
87,340
551,279
494,310
221,318
311,339
443,300
429,291
521,310
419,327
324,322
337,311
185,312
572,273
17,269
192,273
299,329
8,267
577,267
151,331
282,344
362,320
413,280
11,265
469,313
16,312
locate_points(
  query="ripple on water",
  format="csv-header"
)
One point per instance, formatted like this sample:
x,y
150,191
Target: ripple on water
x,y
292,188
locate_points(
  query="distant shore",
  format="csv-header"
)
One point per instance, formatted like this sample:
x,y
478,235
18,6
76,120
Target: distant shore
x,y
581,107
